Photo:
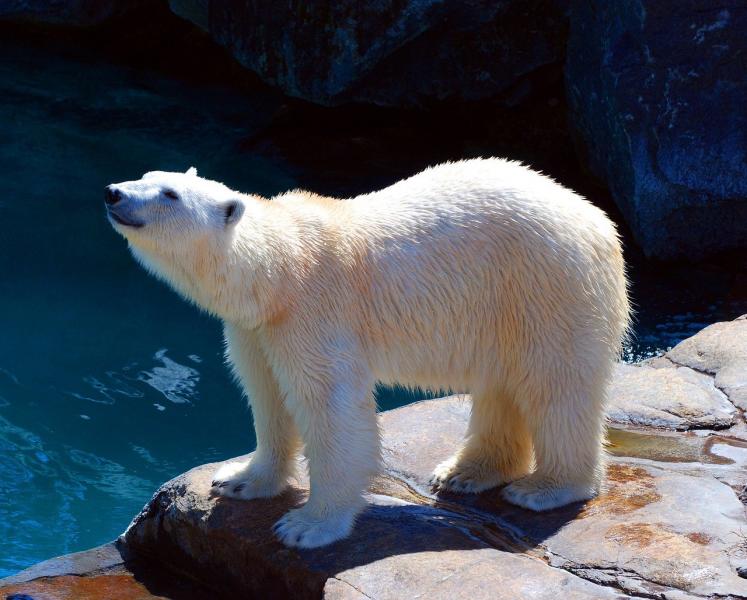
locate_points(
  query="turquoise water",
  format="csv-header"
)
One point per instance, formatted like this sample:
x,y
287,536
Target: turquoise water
x,y
109,383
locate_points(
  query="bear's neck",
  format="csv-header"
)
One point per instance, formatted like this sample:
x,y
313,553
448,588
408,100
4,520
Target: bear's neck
x,y
243,278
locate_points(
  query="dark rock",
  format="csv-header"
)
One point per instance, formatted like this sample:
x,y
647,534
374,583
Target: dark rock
x,y
196,11
74,12
657,94
389,53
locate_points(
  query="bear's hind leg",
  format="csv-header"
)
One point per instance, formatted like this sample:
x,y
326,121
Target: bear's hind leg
x,y
497,448
567,425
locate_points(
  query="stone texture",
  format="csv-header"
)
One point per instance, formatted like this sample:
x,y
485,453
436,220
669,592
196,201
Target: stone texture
x,y
668,524
102,559
406,544
657,93
479,573
389,53
619,538
74,12
101,573
195,11
668,396
720,350
69,587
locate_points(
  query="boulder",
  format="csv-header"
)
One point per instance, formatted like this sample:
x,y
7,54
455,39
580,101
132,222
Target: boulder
x,y
657,94
657,529
660,394
394,54
721,351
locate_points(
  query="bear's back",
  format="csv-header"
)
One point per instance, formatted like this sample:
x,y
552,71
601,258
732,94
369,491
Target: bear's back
x,y
493,200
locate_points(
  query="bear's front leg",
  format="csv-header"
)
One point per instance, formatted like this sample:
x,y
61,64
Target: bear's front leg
x,y
278,443
335,413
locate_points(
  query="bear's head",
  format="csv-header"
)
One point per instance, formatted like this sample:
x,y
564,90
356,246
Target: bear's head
x,y
182,229
165,211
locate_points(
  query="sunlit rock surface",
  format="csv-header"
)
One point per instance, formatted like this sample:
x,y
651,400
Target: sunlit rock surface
x,y
658,393
670,522
720,351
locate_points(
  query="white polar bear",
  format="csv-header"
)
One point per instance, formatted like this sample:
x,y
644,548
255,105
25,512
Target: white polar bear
x,y
480,275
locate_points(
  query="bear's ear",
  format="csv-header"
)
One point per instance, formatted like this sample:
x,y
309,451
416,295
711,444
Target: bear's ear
x,y
191,171
232,211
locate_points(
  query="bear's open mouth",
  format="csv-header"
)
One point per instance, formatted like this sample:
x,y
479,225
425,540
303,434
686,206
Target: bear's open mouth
x,y
122,221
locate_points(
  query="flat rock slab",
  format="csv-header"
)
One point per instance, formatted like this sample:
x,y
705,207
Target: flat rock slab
x,y
698,384
668,525
665,522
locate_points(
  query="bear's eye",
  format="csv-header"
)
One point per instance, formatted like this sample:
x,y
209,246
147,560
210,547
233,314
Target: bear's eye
x,y
171,194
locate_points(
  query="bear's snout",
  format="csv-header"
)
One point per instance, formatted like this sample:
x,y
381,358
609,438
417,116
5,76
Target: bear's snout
x,y
112,195
120,212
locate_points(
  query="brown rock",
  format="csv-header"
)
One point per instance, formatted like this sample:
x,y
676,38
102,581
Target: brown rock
x,y
70,587
104,573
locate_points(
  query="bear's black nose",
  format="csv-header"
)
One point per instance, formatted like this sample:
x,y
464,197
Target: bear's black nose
x,y
112,195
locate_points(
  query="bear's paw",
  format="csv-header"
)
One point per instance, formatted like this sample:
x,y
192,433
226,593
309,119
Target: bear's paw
x,y
247,480
464,476
301,528
538,493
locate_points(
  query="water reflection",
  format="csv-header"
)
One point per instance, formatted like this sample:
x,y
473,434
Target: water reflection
x,y
178,383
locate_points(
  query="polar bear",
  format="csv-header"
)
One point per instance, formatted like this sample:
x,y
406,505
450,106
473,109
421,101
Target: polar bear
x,y
480,275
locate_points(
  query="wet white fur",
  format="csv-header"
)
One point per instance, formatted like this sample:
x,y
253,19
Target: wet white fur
x,y
482,276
